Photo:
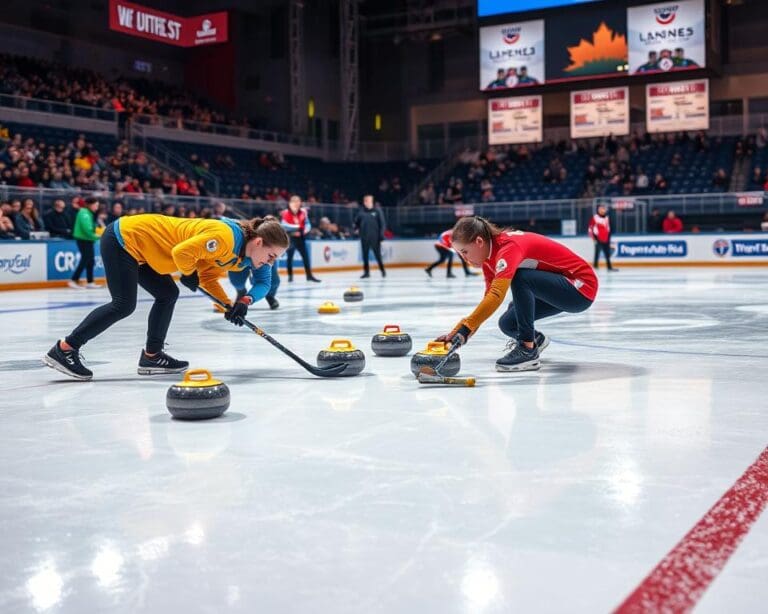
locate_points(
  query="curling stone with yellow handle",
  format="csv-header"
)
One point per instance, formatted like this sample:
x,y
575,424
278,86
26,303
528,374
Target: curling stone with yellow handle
x,y
328,307
391,342
198,397
342,351
431,357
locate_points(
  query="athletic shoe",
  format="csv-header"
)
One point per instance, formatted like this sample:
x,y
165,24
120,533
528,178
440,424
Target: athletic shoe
x,y
520,359
273,303
472,274
315,279
612,269
74,285
428,271
450,276
92,286
365,276
67,362
160,363
542,341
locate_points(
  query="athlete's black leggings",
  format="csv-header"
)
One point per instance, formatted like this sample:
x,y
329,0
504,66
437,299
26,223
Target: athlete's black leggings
x,y
87,260
374,246
124,275
298,244
447,254
535,295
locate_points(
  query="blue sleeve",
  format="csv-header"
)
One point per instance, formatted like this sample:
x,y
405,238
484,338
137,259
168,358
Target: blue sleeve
x,y
307,225
261,282
238,278
289,227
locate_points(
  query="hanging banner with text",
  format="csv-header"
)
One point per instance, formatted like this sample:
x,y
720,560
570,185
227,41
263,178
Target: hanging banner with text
x,y
679,105
600,112
145,22
512,55
514,120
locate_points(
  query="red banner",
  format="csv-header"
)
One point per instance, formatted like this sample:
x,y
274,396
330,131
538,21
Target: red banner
x,y
145,22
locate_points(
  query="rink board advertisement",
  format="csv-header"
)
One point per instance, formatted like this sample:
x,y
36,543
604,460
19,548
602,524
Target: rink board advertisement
x,y
666,37
515,120
63,258
512,55
41,263
597,113
21,262
677,106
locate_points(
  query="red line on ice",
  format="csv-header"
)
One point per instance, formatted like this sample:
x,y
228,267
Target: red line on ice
x,y
680,579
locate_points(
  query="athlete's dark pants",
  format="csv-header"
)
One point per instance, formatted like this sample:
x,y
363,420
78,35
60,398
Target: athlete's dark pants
x,y
298,244
87,260
604,247
369,245
535,295
124,275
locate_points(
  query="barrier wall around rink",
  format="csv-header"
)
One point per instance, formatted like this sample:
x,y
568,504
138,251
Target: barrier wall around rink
x,y
33,264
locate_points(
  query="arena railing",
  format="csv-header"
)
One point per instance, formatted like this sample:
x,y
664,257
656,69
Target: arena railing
x,y
630,213
40,105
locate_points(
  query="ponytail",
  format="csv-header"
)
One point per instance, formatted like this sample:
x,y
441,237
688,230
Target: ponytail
x,y
467,229
268,229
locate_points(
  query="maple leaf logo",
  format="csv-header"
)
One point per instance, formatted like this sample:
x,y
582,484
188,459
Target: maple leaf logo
x,y
605,53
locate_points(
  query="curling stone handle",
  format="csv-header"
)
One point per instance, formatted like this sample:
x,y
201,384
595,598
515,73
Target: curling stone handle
x,y
391,328
341,343
197,375
438,346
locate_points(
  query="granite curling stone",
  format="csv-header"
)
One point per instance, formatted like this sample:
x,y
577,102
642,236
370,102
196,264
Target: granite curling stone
x,y
391,342
198,397
431,357
342,351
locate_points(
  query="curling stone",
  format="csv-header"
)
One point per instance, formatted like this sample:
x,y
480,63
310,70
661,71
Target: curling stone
x,y
391,342
431,357
197,397
328,307
353,295
342,350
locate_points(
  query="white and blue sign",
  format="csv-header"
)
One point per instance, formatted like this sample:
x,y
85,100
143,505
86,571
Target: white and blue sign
x,y
651,249
63,258
749,247
21,262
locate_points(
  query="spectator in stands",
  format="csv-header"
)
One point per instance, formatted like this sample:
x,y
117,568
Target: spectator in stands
x,y
764,223
7,230
58,221
672,223
655,221
169,210
758,179
761,139
28,220
720,179
220,211
24,180
59,182
117,211
641,181
427,196
660,184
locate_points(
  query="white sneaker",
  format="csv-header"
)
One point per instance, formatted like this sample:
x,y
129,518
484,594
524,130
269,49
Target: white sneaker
x,y
74,284
93,286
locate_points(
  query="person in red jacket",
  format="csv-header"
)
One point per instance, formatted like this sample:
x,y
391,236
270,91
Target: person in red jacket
x,y
444,248
295,221
600,231
672,223
546,279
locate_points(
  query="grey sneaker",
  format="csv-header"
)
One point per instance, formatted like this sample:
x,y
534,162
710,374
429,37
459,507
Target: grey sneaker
x,y
67,362
160,363
542,341
519,359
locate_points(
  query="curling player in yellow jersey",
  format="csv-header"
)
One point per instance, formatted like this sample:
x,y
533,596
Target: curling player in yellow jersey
x,y
144,250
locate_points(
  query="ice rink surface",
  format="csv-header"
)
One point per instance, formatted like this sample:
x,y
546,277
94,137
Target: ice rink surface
x,y
551,491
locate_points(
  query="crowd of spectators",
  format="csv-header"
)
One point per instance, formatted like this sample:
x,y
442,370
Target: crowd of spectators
x,y
53,81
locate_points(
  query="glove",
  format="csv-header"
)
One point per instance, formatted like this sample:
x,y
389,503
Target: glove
x,y
236,314
191,281
461,336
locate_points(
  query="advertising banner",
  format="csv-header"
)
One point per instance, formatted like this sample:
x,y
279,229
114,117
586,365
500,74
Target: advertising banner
x,y
681,105
512,55
335,253
21,262
600,112
515,120
666,37
63,258
145,22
